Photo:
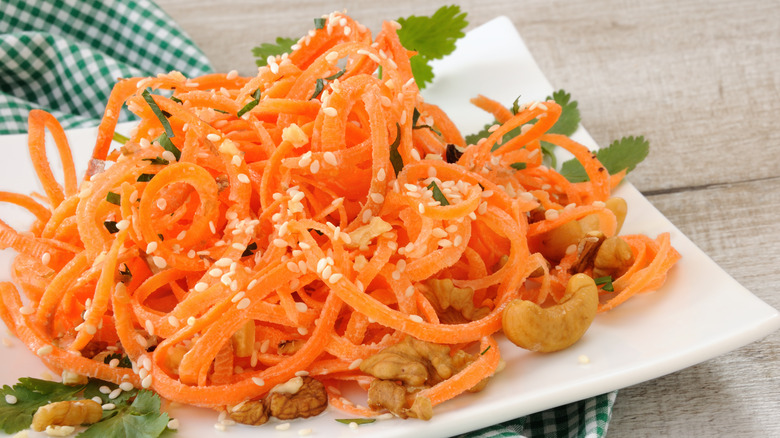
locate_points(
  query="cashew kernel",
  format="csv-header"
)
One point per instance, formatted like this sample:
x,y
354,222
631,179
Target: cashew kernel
x,y
616,205
556,241
554,328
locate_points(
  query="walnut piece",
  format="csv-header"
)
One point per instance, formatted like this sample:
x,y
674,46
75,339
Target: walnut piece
x,y
406,367
310,400
453,304
253,413
363,235
290,347
67,413
587,248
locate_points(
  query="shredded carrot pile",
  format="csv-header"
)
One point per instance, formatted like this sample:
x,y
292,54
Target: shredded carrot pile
x,y
300,205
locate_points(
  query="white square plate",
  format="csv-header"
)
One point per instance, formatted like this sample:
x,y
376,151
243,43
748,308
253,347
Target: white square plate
x,y
701,312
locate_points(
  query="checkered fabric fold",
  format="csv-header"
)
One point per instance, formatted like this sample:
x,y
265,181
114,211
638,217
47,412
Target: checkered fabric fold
x,y
64,56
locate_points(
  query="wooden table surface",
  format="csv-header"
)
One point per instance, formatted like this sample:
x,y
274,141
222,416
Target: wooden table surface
x,y
701,80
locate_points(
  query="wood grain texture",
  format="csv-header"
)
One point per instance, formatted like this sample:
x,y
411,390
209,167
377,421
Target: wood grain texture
x,y
701,80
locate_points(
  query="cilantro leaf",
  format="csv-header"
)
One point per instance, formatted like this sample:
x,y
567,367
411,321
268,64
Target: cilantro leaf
x,y
606,281
119,138
263,51
156,160
570,114
30,395
625,153
168,145
114,198
518,165
432,38
141,419
163,118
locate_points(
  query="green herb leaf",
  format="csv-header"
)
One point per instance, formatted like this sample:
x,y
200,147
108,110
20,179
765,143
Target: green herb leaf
x,y
248,107
114,198
145,177
168,145
141,419
518,166
415,117
432,38
30,394
319,23
437,194
263,51
176,99
336,75
156,160
119,138
356,420
111,226
570,114
318,87
625,153
158,112
395,156
485,350
606,281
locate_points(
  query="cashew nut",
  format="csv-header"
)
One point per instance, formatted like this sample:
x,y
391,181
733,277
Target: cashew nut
x,y
618,207
556,327
556,241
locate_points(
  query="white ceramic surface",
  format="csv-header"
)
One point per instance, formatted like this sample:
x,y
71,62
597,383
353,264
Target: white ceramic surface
x,y
701,312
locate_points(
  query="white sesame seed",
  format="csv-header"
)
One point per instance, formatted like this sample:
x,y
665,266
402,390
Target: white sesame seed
x,y
330,158
409,291
330,111
396,275
46,258
90,328
381,174
243,178
126,386
334,278
327,271
108,406
304,245
232,74
115,393
293,267
213,137
353,425
26,310
315,166
303,331
238,296
191,321
415,155
304,432
123,224
377,197
583,359
280,243
243,304
421,208
159,262
367,216
445,243
457,241
416,318
104,389
151,247
321,265
438,232
10,399
173,424
161,203
551,214
283,426
238,246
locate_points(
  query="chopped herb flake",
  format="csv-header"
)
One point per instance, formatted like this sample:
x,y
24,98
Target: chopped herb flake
x,y
518,166
485,350
437,194
145,177
395,156
156,160
158,112
168,145
320,85
319,23
356,420
606,281
119,138
248,107
113,198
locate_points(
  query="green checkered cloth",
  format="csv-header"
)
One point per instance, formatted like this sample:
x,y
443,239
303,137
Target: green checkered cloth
x,y
64,57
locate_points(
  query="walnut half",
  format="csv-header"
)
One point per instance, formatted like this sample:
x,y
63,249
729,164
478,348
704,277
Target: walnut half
x,y
67,413
300,397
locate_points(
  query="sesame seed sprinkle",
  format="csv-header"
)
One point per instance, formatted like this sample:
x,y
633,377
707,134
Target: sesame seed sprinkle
x,y
416,318
243,304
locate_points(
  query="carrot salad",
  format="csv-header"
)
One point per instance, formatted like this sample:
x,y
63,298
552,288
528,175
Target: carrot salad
x,y
299,222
